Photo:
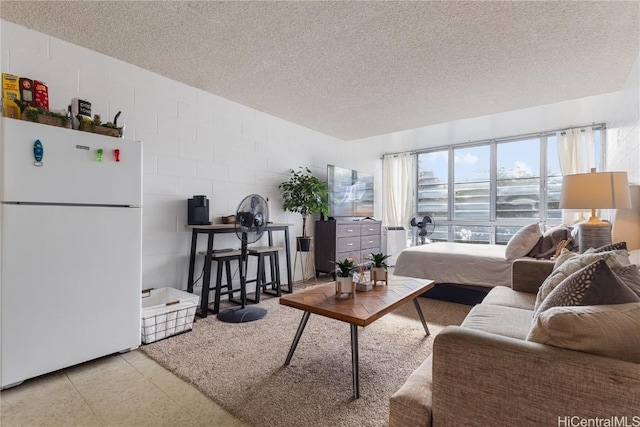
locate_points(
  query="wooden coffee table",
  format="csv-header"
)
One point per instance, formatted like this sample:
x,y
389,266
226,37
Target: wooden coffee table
x,y
361,310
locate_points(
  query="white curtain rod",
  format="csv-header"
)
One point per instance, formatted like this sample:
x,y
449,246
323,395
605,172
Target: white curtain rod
x,y
594,126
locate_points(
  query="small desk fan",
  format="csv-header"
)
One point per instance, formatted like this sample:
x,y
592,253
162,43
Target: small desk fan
x,y
252,216
422,226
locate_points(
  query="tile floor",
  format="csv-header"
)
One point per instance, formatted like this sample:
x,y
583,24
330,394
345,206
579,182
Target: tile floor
x,y
124,390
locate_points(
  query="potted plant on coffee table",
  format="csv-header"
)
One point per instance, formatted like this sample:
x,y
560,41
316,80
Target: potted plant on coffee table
x,y
305,194
344,278
379,268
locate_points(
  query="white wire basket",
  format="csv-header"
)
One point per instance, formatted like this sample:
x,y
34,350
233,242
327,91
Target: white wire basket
x,y
167,312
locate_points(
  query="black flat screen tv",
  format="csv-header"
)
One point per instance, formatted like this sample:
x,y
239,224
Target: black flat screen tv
x,y
350,192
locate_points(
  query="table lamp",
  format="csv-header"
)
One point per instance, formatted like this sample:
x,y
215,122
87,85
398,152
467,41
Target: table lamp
x,y
595,190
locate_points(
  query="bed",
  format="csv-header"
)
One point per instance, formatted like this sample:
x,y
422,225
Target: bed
x,y
456,263
488,265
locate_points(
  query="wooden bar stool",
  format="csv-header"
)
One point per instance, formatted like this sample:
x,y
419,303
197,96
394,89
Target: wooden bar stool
x,y
274,268
223,260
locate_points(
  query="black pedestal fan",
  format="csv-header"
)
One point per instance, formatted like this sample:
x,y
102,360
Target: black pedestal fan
x,y
252,216
421,228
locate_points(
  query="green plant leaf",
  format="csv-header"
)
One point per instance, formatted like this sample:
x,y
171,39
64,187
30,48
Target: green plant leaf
x,y
305,194
379,260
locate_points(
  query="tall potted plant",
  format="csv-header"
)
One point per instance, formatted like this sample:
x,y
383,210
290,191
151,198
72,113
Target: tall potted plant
x,y
305,194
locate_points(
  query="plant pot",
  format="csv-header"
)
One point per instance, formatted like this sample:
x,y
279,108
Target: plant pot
x,y
47,120
303,244
345,285
378,274
102,130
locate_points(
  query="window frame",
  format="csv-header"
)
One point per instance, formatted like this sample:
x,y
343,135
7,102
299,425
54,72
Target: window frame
x,y
493,222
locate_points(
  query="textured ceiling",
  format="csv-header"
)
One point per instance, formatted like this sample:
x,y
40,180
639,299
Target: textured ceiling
x,y
358,69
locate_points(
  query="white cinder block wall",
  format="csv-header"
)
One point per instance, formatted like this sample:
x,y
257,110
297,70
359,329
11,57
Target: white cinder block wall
x,y
623,130
194,143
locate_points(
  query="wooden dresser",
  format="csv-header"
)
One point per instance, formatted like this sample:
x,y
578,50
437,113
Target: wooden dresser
x,y
335,240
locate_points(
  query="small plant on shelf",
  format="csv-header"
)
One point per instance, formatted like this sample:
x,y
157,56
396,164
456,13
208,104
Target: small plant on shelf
x,y
40,115
96,126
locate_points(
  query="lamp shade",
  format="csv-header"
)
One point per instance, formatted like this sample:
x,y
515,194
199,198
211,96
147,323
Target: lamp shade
x,y
596,190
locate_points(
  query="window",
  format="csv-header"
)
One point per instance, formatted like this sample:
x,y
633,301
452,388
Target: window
x,y
433,190
496,187
554,181
518,180
472,184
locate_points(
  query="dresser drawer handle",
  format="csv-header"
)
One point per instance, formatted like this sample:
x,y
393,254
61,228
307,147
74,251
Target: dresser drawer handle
x,y
371,229
350,231
370,241
349,244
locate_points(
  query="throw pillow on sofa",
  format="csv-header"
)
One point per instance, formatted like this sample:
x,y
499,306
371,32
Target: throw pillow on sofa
x,y
594,284
605,330
611,247
570,262
630,276
523,241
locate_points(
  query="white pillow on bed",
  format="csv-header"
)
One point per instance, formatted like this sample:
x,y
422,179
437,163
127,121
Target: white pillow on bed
x,y
523,241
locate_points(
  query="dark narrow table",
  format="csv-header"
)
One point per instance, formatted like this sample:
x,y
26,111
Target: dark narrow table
x,y
213,229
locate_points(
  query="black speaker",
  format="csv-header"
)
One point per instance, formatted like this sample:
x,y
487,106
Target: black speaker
x,y
198,210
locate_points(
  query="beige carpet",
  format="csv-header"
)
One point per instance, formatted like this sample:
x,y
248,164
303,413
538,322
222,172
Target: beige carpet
x,y
241,367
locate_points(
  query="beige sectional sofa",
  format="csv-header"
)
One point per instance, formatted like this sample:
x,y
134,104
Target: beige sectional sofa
x,y
485,372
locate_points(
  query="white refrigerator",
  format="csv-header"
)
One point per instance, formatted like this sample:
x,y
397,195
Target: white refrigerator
x,y
70,248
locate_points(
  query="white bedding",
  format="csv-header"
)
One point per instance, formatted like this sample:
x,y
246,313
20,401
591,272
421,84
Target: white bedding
x,y
461,263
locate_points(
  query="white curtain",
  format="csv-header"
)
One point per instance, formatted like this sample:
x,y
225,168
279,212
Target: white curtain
x,y
576,153
398,189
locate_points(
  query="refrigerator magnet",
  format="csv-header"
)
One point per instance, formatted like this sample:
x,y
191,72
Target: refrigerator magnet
x,y
38,152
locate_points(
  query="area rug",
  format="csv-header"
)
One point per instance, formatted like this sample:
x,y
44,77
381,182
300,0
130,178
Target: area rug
x,y
240,366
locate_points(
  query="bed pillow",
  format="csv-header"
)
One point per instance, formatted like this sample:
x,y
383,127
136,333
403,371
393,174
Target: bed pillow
x,y
569,262
547,244
605,330
523,241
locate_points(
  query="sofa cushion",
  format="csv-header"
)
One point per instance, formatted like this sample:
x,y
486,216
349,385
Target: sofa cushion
x,y
506,321
411,405
569,262
591,285
501,295
606,330
523,241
